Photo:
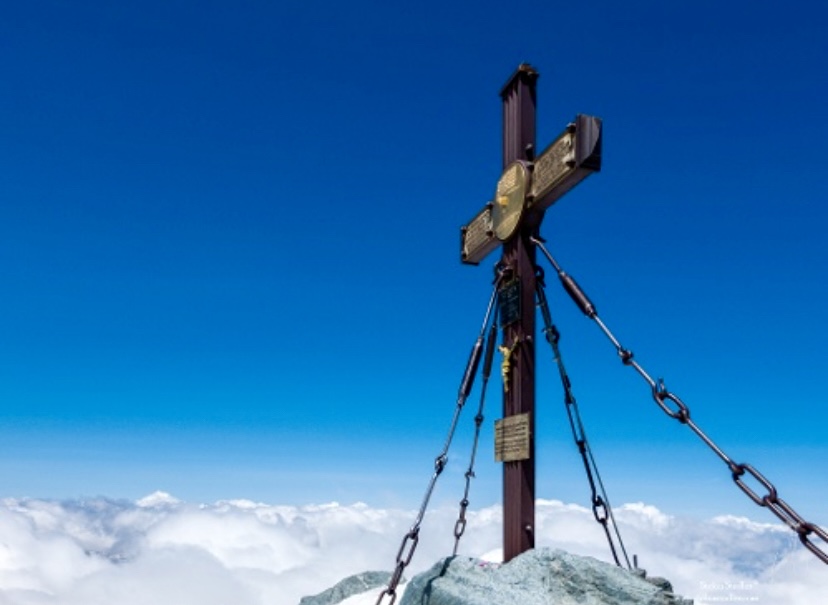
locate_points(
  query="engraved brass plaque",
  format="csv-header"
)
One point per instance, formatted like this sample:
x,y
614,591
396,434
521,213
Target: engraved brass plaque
x,y
510,199
477,238
554,164
512,438
572,157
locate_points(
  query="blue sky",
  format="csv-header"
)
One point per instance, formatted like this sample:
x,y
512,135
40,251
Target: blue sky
x,y
229,245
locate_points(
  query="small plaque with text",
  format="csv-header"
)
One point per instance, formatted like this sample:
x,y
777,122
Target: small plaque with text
x,y
512,438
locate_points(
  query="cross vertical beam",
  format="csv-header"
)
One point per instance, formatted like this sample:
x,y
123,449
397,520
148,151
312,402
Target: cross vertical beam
x,y
519,99
530,183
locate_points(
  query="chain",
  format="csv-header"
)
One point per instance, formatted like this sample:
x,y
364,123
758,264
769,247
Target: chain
x,y
460,525
411,539
601,509
675,408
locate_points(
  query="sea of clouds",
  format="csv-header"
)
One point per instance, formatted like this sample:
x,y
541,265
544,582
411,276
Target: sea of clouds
x,y
166,552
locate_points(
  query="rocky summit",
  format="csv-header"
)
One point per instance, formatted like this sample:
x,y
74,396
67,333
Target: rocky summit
x,y
537,577
348,587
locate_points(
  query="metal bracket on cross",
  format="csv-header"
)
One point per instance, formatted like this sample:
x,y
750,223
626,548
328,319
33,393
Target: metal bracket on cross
x,y
532,187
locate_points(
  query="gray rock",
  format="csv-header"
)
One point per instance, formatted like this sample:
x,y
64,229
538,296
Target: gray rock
x,y
537,577
348,587
661,583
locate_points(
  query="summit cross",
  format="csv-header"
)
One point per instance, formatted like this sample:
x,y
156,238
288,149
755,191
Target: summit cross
x,y
527,187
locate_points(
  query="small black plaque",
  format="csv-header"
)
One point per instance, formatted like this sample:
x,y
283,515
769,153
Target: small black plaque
x,y
509,301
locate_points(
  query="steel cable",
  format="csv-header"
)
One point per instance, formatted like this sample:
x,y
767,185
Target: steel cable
x,y
601,508
675,408
411,539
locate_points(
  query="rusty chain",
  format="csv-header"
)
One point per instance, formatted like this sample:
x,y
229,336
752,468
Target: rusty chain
x,y
601,509
675,408
412,538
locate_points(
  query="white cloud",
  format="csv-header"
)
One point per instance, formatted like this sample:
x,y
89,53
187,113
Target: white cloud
x,y
167,552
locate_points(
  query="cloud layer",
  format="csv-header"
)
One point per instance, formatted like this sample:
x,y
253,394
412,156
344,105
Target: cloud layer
x,y
166,552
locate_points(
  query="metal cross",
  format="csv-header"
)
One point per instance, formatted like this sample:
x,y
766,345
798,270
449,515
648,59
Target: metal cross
x,y
527,187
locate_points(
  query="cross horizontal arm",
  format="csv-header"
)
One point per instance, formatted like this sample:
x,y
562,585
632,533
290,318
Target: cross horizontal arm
x,y
573,156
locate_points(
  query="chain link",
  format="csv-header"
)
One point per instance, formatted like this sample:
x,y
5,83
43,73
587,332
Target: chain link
x,y
411,539
806,529
679,411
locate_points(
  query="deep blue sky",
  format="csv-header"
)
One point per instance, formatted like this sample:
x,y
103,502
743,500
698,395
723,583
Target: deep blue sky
x,y
229,244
